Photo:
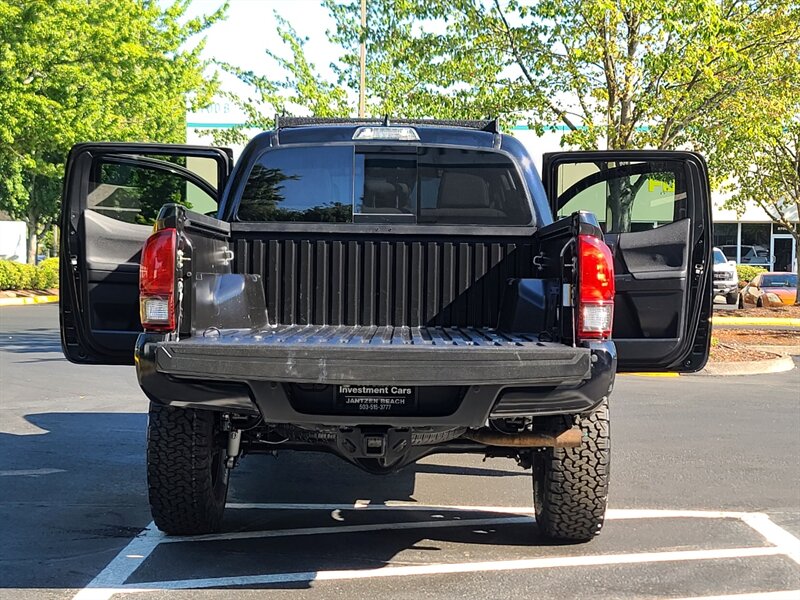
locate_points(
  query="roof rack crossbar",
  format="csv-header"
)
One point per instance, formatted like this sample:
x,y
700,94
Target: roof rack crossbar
x,y
490,125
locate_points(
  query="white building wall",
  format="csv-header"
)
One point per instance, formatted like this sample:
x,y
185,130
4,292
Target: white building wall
x,y
13,235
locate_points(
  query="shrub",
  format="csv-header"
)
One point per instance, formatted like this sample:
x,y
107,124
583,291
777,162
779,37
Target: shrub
x,y
16,276
9,275
746,273
27,276
47,274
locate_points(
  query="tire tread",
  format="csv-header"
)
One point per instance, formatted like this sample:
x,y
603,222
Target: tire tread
x,y
184,498
574,483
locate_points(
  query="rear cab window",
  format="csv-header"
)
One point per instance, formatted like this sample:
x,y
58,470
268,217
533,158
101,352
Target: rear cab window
x,y
375,183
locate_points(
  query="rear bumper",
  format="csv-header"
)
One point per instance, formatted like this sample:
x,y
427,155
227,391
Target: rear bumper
x,y
492,380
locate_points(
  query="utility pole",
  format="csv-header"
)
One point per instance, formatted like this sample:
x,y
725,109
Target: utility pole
x,y
363,61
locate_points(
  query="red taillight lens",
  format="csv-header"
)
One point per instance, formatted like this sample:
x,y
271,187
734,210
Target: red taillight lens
x,y
595,288
157,281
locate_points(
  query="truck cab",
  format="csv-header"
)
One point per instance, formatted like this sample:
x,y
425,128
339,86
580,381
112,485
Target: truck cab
x,y
383,291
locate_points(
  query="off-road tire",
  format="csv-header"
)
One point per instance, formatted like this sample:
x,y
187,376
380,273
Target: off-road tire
x,y
732,298
187,481
570,485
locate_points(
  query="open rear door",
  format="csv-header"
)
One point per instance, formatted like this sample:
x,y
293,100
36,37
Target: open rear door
x,y
112,195
655,210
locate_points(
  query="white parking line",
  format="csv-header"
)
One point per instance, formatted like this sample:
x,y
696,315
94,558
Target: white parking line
x,y
338,529
789,595
113,578
29,472
455,568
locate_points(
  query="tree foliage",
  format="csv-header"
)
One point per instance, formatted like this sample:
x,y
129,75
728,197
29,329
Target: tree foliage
x,y
299,87
72,71
766,159
617,74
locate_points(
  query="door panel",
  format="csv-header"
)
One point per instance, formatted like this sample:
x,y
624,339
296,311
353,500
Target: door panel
x,y
112,195
654,208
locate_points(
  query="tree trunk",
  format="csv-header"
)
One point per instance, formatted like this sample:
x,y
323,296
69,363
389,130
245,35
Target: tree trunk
x,y
32,244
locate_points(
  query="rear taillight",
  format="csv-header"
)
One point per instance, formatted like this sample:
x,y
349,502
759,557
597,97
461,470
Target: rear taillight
x,y
595,288
157,281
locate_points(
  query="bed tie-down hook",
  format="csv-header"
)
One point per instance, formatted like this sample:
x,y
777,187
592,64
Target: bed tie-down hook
x,y
540,261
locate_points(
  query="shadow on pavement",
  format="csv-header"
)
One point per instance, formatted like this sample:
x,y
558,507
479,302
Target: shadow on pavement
x,y
41,339
72,497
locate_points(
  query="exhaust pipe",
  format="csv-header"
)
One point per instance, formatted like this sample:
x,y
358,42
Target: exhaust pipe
x,y
571,438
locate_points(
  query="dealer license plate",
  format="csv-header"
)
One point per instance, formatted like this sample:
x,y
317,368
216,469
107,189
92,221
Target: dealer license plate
x,y
376,399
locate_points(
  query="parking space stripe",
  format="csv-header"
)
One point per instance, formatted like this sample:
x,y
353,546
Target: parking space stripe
x,y
112,579
774,534
787,595
396,505
456,568
339,529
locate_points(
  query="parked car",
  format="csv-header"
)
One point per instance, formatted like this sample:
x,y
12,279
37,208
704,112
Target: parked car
x,y
757,256
769,289
726,280
382,292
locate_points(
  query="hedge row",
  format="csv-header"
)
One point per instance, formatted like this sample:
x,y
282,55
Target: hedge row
x,y
746,273
16,276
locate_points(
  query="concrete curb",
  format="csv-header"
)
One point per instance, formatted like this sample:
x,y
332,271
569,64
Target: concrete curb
x,y
23,300
793,350
753,367
719,320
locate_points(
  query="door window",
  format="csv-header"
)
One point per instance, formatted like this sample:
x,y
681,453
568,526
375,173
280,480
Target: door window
x,y
625,196
133,189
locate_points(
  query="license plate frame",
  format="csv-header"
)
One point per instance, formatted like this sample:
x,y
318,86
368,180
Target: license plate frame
x,y
376,400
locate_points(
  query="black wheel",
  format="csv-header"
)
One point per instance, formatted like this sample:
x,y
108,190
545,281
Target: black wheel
x,y
732,298
759,303
187,479
570,485
741,301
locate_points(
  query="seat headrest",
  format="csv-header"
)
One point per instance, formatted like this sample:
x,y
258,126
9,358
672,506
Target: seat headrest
x,y
463,190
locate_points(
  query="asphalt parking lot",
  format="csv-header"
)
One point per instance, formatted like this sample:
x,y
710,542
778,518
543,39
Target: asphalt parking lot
x,y
705,501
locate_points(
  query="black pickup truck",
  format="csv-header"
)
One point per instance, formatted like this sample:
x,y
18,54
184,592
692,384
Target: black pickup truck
x,y
383,291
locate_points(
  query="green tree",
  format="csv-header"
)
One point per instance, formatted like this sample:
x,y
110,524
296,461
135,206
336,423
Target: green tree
x,y
299,88
767,161
72,71
614,73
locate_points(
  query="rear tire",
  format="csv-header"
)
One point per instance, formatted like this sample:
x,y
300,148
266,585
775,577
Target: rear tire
x,y
570,485
187,479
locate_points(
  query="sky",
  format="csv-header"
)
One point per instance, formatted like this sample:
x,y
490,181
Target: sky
x,y
248,31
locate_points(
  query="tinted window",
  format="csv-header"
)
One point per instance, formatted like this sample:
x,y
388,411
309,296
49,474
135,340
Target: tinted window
x,y
779,281
625,196
385,184
467,186
134,192
719,257
300,184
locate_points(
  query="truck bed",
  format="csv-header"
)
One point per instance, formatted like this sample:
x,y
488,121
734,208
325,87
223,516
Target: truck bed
x,y
334,354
